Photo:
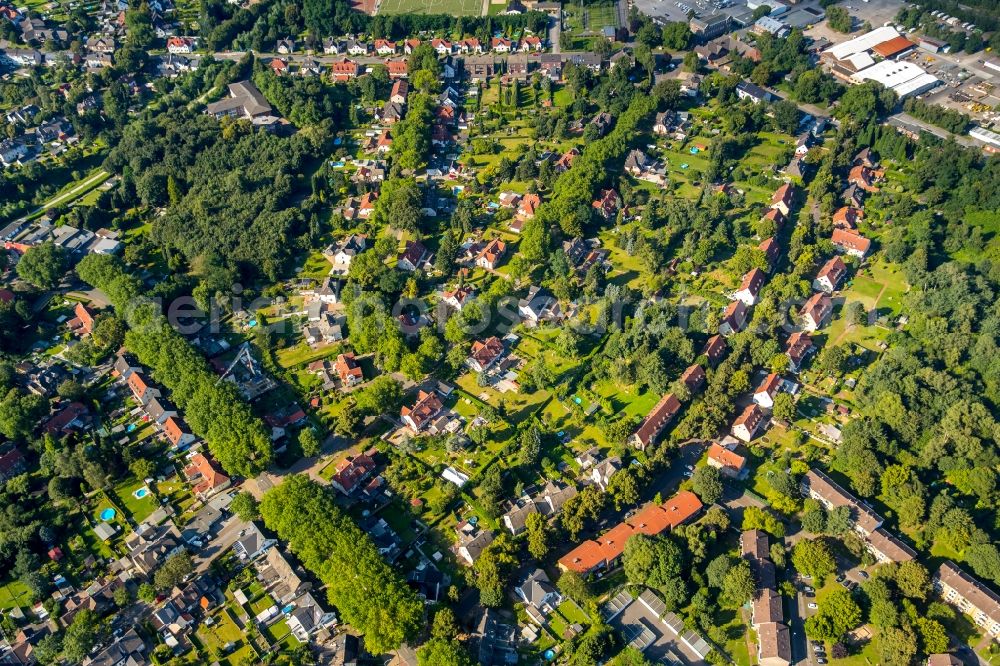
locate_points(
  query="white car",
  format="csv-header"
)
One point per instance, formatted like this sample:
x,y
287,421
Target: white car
x,y
813,605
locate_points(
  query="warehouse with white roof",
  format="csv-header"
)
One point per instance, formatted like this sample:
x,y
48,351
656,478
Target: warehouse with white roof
x,y
873,57
904,78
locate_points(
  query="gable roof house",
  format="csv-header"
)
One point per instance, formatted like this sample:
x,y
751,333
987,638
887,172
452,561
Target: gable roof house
x,y
831,495
177,432
308,618
539,596
607,204
353,471
653,519
783,198
816,311
349,371
734,318
252,544
797,348
752,92
714,348
829,277
694,378
850,242
344,69
484,354
764,395
244,101
516,519
537,305
141,389
280,578
601,473
728,462
207,477
847,217
654,423
748,423
864,177
423,411
414,256
970,596
750,288
150,547
774,644
159,410
772,252
472,541
489,257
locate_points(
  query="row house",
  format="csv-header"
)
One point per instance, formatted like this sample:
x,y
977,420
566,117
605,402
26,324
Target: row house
x,y
970,596
656,421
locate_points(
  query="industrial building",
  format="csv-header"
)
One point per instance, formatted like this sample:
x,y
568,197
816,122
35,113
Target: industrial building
x,y
874,56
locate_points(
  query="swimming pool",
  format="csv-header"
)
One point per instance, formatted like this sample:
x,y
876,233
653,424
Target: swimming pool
x,y
549,655
131,427
108,514
141,492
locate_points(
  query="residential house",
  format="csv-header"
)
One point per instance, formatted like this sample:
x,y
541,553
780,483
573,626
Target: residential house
x,y
768,389
516,519
285,46
472,541
658,418
970,596
537,306
398,69
344,69
887,548
206,476
772,252
349,370
709,27
831,495
851,243
748,423
413,256
125,651
353,471
12,463
423,411
750,288
714,349
244,101
308,618
252,543
149,547
528,206
159,410
783,199
864,178
484,354
853,196
603,122
694,378
551,498
797,348
774,644
601,473
734,318
539,596
775,216
385,47
501,45
654,519
280,578
177,433
847,217
142,391
399,92
829,277
752,92
458,297
180,45
607,204
816,311
489,257
727,461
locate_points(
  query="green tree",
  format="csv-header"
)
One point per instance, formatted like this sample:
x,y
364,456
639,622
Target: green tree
x,y
80,637
838,19
739,585
173,571
245,506
309,442
441,652
784,407
706,482
813,557
538,535
43,265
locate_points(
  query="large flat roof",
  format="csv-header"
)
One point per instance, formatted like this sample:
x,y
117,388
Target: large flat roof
x,y
865,42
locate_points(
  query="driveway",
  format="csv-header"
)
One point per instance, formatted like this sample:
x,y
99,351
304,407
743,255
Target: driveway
x,y
222,542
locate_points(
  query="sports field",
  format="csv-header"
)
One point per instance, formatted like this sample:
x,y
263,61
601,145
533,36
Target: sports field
x,y
450,7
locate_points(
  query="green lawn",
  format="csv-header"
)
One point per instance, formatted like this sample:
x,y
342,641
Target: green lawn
x,y
450,7
14,594
138,507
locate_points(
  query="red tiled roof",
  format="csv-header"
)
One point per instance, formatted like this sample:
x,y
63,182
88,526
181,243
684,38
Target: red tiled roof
x,y
658,418
725,457
201,467
347,367
798,345
351,471
817,307
487,351
753,281
427,405
694,377
714,348
833,271
653,519
174,429
850,241
750,418
770,385
784,194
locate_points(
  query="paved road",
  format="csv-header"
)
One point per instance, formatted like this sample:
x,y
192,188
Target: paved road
x,y
222,542
555,33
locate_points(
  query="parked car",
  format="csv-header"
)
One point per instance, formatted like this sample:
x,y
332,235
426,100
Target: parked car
x,y
864,574
820,660
814,607
807,588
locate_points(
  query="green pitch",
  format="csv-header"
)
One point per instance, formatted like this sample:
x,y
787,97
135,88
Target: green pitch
x,y
452,7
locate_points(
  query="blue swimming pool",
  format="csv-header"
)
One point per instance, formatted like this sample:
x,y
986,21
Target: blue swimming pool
x,y
549,655
141,492
131,427
108,514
